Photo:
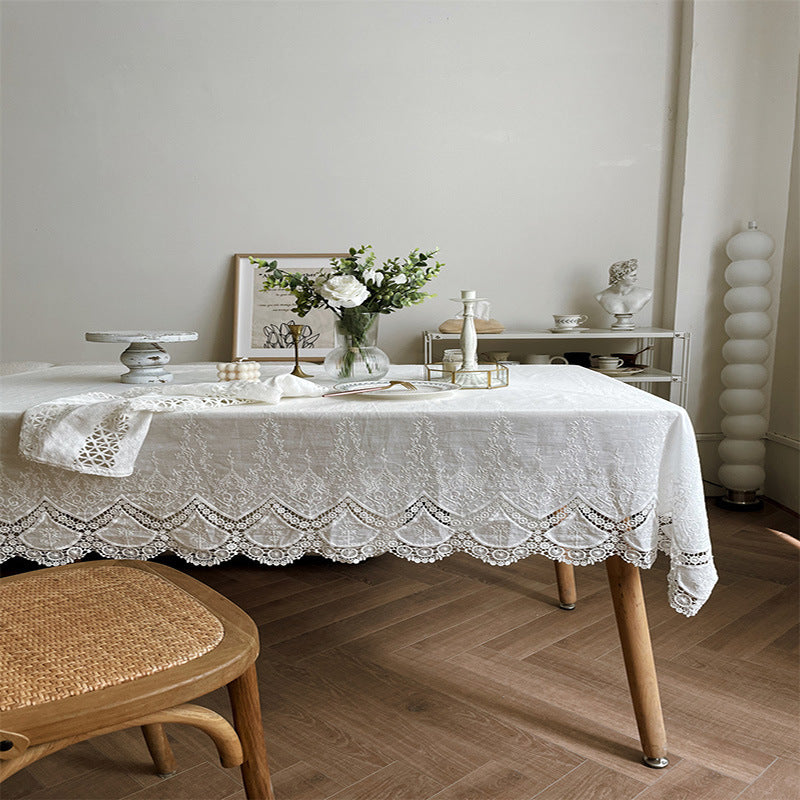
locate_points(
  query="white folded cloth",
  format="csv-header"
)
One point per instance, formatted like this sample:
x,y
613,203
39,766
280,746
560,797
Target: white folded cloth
x,y
101,434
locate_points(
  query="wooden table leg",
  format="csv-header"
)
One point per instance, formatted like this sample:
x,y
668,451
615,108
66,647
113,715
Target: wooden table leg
x,y
637,651
567,593
246,708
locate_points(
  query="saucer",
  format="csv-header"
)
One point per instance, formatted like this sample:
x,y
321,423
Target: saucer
x,y
621,372
567,330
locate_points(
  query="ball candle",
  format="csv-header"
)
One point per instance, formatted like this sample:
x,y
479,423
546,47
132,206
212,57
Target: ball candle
x,y
239,371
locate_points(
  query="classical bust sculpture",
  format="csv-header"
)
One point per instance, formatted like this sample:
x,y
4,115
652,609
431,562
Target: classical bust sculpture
x,y
622,295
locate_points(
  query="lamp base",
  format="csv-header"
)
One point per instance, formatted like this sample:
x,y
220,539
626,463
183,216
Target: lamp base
x,y
736,500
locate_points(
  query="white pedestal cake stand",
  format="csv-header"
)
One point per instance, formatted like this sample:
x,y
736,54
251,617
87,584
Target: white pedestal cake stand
x,y
145,357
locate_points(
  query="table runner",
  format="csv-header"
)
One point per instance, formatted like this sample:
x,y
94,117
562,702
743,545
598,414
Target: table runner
x,y
564,463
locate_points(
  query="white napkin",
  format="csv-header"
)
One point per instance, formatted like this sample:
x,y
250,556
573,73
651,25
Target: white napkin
x,y
101,434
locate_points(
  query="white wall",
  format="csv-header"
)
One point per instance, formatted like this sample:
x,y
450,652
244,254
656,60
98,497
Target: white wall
x,y
783,439
734,146
740,126
145,143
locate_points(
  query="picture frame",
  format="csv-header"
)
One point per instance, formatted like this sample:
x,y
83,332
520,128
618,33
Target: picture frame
x,y
261,319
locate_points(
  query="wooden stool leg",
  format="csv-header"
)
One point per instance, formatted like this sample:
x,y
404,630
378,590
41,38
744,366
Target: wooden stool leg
x,y
567,593
246,707
637,651
159,748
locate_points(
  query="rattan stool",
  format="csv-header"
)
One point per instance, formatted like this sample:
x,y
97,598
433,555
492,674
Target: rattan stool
x,y
94,647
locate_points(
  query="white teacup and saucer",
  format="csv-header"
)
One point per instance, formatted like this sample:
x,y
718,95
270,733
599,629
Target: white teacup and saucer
x,y
568,323
607,363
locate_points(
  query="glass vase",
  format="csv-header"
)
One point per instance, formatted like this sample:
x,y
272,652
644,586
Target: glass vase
x,y
355,355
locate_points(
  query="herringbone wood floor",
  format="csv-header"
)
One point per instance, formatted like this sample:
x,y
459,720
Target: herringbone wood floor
x,y
459,681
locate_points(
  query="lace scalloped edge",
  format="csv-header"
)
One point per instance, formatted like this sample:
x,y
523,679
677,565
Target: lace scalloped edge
x,y
313,543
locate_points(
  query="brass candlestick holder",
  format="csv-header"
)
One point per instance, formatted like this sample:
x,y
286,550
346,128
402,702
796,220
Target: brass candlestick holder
x,y
295,331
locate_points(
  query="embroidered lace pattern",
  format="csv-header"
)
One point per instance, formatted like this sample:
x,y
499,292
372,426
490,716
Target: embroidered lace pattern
x,y
335,480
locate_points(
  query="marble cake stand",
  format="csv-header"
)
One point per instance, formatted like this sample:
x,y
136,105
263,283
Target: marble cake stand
x,y
145,357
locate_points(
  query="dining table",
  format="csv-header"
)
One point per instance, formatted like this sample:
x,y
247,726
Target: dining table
x,y
564,462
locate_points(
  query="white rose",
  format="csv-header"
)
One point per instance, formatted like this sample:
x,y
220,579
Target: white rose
x,y
399,278
344,291
374,275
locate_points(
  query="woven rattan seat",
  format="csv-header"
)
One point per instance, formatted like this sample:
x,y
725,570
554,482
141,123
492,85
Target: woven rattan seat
x,y
94,647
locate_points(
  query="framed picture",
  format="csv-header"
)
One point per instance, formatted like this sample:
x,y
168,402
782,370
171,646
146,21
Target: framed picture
x,y
262,319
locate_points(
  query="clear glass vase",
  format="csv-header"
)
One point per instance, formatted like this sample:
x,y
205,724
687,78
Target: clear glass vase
x,y
355,355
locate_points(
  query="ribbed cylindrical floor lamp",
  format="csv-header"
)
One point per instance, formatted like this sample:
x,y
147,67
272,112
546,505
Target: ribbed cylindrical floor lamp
x,y
743,400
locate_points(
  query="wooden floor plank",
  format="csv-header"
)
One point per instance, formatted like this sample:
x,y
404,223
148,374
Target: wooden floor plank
x,y
297,625
726,607
492,781
397,781
693,782
352,701
760,627
441,617
390,600
320,599
97,784
204,780
441,713
301,781
592,781
391,680
512,697
472,631
543,631
699,724
771,687
781,780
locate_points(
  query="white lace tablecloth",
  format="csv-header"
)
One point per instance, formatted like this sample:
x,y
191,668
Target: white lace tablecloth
x,y
564,463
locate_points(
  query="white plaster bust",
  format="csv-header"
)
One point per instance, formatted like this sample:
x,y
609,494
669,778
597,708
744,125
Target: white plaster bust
x,y
622,295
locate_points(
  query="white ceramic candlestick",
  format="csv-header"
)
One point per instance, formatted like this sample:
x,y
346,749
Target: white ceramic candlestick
x,y
742,450
469,375
469,339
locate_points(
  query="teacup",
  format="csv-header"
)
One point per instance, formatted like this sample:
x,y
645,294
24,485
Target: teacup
x,y
542,359
496,355
607,362
566,321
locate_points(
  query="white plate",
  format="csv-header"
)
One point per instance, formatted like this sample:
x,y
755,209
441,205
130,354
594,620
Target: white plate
x,y
422,389
567,330
620,372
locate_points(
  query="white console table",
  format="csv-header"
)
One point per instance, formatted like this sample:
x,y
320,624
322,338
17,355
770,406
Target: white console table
x,y
677,374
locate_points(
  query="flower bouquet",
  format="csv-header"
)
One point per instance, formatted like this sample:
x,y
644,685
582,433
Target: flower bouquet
x,y
356,289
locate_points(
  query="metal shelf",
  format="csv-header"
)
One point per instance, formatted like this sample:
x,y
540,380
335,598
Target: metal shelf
x,y
642,337
649,375
585,333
